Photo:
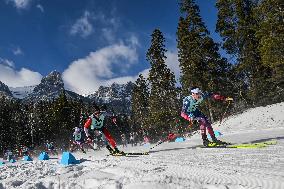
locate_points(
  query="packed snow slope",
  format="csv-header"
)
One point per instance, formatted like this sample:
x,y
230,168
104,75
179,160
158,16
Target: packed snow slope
x,y
172,165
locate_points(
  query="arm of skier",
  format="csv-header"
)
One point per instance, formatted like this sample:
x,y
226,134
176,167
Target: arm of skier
x,y
86,127
217,97
222,98
184,113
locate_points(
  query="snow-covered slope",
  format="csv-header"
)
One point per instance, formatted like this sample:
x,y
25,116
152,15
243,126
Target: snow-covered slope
x,y
172,165
117,96
271,116
21,92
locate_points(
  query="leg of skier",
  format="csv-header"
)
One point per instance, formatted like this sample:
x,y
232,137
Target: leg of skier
x,y
111,141
204,123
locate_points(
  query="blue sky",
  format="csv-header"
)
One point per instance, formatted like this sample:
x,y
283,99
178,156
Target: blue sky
x,y
91,42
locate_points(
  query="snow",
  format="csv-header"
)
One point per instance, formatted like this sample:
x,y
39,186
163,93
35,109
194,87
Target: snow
x,y
171,164
21,92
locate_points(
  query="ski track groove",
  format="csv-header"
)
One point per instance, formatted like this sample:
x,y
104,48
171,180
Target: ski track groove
x,y
251,181
195,174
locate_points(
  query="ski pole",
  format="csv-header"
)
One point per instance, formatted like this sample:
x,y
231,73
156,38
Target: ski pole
x,y
157,144
167,139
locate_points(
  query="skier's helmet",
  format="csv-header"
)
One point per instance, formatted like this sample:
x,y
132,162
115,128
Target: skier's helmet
x,y
195,90
77,129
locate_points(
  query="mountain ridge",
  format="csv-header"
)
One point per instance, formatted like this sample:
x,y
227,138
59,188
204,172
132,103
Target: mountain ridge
x,y
116,96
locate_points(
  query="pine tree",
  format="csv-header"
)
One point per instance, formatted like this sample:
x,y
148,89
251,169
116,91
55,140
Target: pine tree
x,y
162,100
191,31
237,25
60,122
5,124
139,102
270,15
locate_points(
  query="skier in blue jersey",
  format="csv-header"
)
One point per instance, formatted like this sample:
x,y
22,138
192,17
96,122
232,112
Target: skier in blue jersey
x,y
191,112
50,148
78,140
97,121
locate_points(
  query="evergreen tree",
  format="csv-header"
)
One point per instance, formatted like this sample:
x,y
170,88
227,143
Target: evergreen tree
x,y
270,15
6,125
139,102
39,122
237,25
191,31
60,122
13,124
163,95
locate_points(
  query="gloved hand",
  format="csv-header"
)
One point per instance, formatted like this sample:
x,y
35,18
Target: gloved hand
x,y
171,136
229,99
114,120
89,138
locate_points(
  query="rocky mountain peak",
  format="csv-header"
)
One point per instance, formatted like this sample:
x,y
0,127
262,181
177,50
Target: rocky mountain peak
x,y
51,83
4,89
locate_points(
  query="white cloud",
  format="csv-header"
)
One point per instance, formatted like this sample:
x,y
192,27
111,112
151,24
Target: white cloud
x,y
6,62
85,75
133,40
20,4
82,26
108,34
173,63
14,78
109,24
40,7
18,51
125,79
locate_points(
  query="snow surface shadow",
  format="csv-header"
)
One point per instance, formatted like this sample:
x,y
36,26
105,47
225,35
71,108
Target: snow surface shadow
x,y
171,149
83,160
197,146
267,139
133,156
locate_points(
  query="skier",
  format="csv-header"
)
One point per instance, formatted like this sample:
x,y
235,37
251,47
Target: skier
x,y
9,155
191,112
123,139
24,151
78,140
97,122
146,140
50,147
131,139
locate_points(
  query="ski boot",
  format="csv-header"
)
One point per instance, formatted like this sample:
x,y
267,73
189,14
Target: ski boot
x,y
111,151
82,149
219,142
118,153
206,142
